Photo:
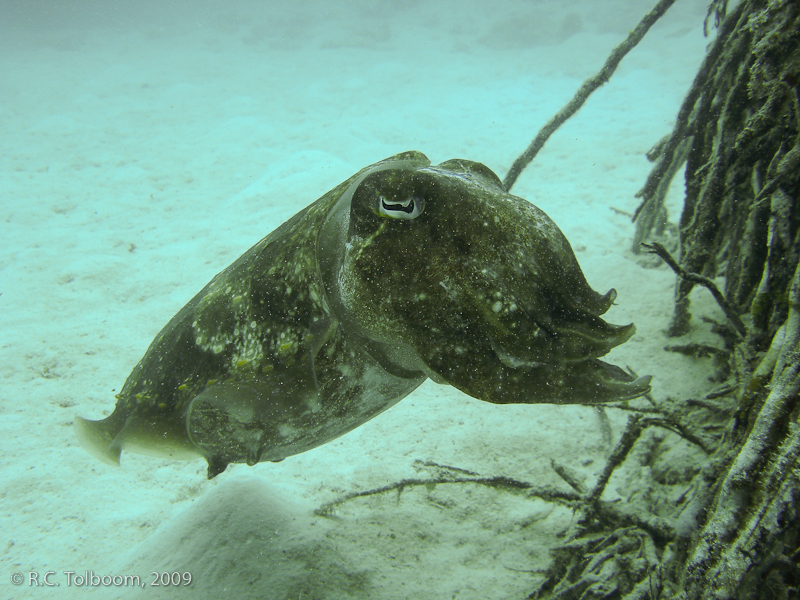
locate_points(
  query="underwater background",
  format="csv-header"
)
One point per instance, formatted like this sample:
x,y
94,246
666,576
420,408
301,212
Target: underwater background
x,y
145,145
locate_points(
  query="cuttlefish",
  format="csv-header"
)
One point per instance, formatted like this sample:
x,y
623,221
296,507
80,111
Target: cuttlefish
x,y
404,272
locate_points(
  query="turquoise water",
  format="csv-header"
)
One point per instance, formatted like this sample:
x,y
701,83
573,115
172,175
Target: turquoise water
x,y
145,146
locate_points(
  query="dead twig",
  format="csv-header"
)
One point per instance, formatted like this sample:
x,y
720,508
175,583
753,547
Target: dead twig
x,y
697,350
663,253
583,93
503,483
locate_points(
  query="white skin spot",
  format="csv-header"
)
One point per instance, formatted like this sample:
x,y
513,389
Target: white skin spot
x,y
286,430
497,306
313,403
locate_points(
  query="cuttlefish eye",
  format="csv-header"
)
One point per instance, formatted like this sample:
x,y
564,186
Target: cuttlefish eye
x,y
409,208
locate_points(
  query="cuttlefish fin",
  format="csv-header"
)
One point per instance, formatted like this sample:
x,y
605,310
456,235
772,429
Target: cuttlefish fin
x,y
97,437
106,439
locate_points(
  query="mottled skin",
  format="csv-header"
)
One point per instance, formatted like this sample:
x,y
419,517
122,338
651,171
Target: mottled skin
x,y
402,272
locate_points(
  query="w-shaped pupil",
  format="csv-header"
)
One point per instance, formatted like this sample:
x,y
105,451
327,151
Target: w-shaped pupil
x,y
406,207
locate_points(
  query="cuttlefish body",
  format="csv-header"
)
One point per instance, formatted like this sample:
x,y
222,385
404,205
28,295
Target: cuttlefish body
x,y
403,272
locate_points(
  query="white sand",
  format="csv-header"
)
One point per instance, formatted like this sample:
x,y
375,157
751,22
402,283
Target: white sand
x,y
143,148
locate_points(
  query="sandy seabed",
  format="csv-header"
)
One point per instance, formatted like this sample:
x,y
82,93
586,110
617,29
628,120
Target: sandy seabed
x,y
146,146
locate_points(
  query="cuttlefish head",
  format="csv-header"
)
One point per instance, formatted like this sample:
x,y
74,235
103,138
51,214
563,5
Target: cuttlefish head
x,y
446,272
